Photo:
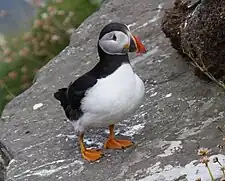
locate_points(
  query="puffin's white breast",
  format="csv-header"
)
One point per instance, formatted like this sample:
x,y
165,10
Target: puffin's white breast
x,y
113,97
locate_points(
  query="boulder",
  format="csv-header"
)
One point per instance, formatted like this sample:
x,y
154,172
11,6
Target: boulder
x,y
177,116
195,30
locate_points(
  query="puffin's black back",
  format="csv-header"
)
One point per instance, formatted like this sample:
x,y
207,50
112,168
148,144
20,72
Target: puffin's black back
x,y
72,96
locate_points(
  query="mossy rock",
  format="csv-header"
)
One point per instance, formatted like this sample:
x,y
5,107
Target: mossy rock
x,y
196,30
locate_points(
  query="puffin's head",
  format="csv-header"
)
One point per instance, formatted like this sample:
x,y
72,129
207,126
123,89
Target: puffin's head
x,y
116,39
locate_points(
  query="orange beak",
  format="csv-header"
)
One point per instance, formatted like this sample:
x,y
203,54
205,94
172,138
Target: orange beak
x,y
139,45
136,45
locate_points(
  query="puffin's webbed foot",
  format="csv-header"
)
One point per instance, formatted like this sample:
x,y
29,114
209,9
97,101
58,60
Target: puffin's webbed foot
x,y
92,154
89,154
117,144
112,143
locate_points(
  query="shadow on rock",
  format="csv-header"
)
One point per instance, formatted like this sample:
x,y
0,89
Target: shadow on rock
x,y
5,158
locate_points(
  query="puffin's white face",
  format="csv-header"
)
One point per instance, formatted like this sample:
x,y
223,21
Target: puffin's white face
x,y
117,39
115,43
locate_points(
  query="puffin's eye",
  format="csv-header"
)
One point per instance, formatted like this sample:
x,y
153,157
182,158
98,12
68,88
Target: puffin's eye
x,y
114,37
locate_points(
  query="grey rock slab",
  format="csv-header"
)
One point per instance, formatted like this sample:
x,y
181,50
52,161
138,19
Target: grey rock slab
x,y
180,112
5,157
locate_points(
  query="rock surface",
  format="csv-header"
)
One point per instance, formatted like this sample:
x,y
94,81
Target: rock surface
x,y
180,113
5,157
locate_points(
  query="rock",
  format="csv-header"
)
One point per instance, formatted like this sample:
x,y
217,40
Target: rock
x,y
195,31
5,158
177,117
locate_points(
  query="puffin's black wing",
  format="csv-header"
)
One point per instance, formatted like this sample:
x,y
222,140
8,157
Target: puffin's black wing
x,y
71,97
77,89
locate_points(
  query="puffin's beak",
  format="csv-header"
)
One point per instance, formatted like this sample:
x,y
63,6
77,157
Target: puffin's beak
x,y
136,45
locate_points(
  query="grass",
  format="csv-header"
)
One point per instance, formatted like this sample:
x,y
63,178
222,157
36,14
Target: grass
x,y
21,56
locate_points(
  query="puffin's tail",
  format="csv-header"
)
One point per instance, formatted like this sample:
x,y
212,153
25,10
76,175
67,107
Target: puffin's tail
x,y
61,96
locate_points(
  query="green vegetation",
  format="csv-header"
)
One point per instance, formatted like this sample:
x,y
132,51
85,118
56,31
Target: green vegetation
x,y
23,55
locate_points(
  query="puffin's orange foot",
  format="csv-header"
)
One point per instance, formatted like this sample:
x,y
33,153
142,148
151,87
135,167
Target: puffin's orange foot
x,y
92,154
117,144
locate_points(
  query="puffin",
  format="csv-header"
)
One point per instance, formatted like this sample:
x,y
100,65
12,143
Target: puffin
x,y
108,93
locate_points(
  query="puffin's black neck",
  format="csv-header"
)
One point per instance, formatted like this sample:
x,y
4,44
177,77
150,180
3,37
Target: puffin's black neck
x,y
112,59
108,64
